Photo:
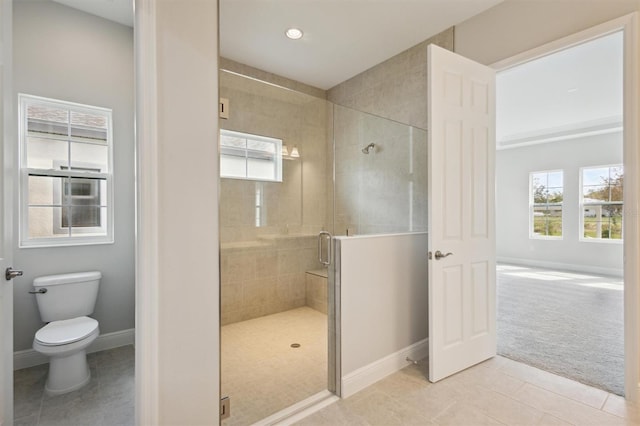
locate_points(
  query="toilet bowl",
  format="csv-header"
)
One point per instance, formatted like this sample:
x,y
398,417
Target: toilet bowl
x,y
64,301
65,343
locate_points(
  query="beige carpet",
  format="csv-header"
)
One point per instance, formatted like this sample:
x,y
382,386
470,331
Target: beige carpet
x,y
262,373
567,323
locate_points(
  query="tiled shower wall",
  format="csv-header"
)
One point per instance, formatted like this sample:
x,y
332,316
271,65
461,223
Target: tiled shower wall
x,y
266,276
396,88
263,266
386,190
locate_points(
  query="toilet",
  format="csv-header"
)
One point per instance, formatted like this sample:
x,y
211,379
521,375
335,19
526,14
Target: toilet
x,y
64,301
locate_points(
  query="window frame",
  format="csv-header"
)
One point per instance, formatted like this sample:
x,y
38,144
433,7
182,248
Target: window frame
x,y
532,234
25,100
581,207
278,158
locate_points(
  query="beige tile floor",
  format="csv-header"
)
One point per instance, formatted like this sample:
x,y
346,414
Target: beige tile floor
x,y
497,392
262,373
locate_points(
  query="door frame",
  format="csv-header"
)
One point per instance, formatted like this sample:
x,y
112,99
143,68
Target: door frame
x,y
629,25
177,274
8,154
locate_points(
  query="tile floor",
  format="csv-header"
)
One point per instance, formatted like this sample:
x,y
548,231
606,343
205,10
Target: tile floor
x,y
262,373
497,392
108,399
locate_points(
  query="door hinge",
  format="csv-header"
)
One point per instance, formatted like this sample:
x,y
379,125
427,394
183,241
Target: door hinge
x,y
225,408
223,108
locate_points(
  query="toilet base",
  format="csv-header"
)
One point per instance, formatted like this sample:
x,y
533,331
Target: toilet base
x,y
67,373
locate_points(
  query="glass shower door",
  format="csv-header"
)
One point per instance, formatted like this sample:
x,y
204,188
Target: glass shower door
x,y
276,160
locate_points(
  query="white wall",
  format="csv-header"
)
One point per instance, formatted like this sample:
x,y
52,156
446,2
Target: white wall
x,y
383,288
178,356
512,199
516,26
66,54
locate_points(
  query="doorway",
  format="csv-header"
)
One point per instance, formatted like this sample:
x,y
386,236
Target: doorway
x,y
560,170
78,70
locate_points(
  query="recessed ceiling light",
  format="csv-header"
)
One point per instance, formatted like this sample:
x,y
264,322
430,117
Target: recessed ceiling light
x,y
294,33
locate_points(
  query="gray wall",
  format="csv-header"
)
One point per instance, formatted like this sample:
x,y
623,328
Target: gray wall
x,y
512,200
69,55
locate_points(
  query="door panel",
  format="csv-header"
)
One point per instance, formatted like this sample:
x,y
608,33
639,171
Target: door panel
x,y
461,213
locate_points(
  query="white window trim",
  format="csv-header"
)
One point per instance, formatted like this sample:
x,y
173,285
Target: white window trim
x,y
533,235
581,207
278,155
23,229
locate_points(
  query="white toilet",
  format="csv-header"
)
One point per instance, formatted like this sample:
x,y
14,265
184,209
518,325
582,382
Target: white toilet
x,y
64,301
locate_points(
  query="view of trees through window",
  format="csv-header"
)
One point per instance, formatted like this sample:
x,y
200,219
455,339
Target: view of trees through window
x,y
547,193
602,202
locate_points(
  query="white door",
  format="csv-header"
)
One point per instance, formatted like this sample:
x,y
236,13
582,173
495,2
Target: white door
x,y
6,153
462,284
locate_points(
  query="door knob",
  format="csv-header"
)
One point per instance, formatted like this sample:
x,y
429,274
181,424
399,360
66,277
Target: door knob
x,y
438,255
11,273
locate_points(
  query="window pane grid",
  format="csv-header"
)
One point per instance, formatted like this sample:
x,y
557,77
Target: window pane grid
x,y
602,203
251,157
547,195
67,181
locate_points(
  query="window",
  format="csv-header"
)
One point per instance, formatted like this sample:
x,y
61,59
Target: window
x,y
66,173
252,157
601,203
545,201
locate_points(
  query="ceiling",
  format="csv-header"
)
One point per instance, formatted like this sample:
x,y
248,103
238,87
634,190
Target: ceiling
x,y
575,91
542,100
342,38
120,11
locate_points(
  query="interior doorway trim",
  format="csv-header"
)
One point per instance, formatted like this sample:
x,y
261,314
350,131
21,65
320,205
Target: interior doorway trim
x,y
629,25
147,298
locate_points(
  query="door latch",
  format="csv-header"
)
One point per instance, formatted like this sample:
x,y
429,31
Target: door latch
x,y
438,255
11,273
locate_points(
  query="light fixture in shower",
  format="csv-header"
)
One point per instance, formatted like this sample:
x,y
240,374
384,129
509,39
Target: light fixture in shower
x,y
290,155
367,149
294,33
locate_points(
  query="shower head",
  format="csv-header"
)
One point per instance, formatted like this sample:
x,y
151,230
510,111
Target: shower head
x,y
367,149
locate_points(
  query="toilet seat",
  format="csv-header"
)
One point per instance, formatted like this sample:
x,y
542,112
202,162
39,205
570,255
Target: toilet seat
x,y
64,332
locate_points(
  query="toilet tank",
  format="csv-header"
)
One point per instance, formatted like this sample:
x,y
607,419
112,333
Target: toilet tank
x,y
67,296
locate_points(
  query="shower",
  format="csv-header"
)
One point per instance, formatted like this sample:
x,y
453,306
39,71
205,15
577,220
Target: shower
x,y
367,149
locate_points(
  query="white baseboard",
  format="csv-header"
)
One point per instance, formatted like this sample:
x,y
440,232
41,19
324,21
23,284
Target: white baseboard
x,y
369,374
614,272
30,358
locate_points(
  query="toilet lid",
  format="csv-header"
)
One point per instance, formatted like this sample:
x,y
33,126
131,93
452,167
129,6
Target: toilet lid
x,y
66,331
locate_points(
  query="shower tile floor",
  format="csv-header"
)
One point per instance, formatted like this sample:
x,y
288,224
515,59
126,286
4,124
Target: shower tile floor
x,y
108,399
262,373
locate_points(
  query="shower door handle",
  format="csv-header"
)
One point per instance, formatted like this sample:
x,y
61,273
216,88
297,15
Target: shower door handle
x,y
324,235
